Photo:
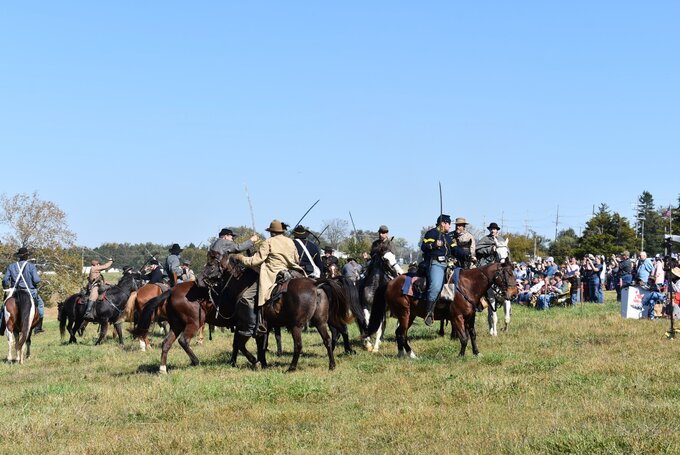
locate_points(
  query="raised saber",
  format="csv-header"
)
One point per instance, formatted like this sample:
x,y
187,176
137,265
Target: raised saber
x,y
303,216
252,213
353,226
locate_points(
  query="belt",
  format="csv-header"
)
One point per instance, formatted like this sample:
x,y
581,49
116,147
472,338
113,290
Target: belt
x,y
440,259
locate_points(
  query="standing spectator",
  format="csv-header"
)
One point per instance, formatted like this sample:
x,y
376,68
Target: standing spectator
x,y
625,270
596,279
550,268
644,269
658,274
573,275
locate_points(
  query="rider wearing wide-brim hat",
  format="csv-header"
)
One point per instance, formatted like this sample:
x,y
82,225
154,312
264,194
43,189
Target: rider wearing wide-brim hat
x,y
465,244
23,274
310,258
95,284
173,264
275,254
487,245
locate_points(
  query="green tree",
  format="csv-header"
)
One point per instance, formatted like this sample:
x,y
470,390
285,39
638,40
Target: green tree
x,y
606,234
564,245
522,246
652,221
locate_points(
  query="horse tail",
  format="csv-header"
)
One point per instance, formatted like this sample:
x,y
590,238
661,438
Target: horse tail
x,y
61,315
22,299
146,316
354,300
378,310
338,303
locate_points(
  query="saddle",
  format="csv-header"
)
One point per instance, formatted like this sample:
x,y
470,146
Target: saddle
x,y
281,284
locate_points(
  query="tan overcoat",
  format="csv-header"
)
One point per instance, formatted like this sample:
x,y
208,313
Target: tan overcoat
x,y
273,255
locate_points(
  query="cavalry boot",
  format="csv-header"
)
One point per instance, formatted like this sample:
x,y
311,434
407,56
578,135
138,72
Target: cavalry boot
x,y
261,324
429,317
39,327
89,311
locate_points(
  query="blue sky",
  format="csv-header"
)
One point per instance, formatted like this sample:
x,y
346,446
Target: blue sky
x,y
144,121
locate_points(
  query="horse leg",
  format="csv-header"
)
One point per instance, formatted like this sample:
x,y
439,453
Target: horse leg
x,y
185,339
407,346
277,336
103,328
507,306
10,343
367,340
236,345
335,336
167,344
441,327
119,331
472,333
201,335
262,349
297,347
400,341
211,329
379,334
244,350
345,340
143,343
323,331
492,317
459,322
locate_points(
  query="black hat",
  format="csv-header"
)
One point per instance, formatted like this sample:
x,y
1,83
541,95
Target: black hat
x,y
23,251
175,249
225,231
494,226
300,232
443,219
328,249
154,262
126,269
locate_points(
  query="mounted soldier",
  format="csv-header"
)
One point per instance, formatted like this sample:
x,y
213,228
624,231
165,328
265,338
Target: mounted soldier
x,y
487,252
95,284
383,250
276,254
23,274
437,248
173,264
223,245
154,274
310,258
465,244
329,262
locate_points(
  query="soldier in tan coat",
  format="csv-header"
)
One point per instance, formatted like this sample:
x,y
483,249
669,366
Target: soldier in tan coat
x,y
94,281
275,254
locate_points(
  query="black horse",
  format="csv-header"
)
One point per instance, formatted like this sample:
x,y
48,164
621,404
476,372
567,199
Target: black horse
x,y
70,309
352,296
378,273
109,308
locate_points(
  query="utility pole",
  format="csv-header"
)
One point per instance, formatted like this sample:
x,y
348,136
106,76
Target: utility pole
x,y
502,218
557,220
642,237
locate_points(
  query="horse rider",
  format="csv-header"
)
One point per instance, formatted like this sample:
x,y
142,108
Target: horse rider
x,y
95,283
154,274
486,254
382,248
310,259
275,254
187,273
173,264
223,245
328,260
465,244
23,274
436,247
352,270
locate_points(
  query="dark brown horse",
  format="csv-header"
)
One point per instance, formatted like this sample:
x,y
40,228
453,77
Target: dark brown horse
x,y
143,296
19,318
472,285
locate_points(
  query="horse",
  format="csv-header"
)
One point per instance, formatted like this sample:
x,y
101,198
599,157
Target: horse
x,y
19,317
352,296
109,308
472,285
68,309
502,254
143,296
378,273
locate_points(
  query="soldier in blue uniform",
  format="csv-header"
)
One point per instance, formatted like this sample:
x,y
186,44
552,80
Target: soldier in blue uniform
x,y
24,275
436,246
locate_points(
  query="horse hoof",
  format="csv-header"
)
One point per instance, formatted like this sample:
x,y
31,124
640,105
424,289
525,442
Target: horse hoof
x,y
256,366
291,370
401,354
163,369
200,342
412,355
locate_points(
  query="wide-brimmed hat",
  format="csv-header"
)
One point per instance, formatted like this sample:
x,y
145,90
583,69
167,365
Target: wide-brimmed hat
x,y
300,232
154,262
23,251
225,231
328,249
443,219
276,227
493,226
175,249
676,271
126,269
461,220
383,229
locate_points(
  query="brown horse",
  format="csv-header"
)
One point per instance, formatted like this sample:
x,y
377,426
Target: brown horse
x,y
19,317
472,285
144,295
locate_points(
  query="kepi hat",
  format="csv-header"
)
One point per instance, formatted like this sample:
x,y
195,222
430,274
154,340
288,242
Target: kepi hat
x,y
443,219
383,229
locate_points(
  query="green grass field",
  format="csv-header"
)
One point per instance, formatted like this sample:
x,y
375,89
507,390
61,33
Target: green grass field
x,y
567,380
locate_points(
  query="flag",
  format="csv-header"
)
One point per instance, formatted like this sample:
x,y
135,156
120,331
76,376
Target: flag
x,y
667,214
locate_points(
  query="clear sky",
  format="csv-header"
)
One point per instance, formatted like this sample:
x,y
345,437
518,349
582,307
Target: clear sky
x,y
144,120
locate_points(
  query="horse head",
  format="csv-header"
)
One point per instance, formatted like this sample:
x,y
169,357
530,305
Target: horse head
x,y
504,280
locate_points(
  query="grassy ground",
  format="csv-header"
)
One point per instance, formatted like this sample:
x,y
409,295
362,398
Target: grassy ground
x,y
576,380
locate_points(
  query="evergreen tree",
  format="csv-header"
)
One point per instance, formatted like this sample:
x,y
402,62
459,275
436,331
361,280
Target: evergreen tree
x,y
564,245
650,225
606,234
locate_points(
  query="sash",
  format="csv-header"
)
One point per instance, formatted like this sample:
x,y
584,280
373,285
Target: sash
x,y
316,273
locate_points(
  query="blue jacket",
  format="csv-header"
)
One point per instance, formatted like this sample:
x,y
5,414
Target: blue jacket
x,y
429,245
154,276
305,261
30,274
